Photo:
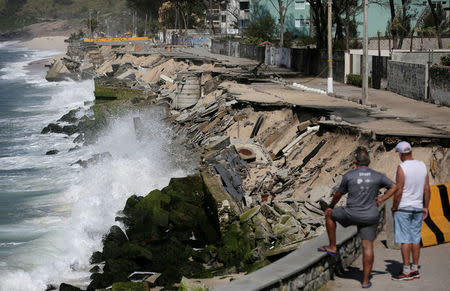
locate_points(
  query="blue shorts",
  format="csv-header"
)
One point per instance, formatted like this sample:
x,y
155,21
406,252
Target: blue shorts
x,y
407,225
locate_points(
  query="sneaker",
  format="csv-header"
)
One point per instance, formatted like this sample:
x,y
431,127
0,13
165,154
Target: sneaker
x,y
402,277
414,274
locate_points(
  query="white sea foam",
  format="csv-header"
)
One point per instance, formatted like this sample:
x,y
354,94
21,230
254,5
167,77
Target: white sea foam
x,y
67,210
95,195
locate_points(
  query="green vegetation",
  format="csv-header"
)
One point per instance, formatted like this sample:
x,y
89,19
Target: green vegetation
x,y
261,29
445,60
15,14
356,80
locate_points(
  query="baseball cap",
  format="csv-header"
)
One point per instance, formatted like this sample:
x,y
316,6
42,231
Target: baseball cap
x,y
403,147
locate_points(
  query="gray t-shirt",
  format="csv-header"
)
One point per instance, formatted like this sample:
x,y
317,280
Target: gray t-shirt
x,y
362,185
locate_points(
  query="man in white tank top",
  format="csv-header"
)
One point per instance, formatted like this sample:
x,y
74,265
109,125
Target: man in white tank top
x,y
410,207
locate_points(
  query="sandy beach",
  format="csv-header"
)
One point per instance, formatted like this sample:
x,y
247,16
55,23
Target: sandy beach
x,y
46,43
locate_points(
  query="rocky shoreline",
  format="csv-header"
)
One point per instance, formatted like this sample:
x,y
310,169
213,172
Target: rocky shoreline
x,y
266,174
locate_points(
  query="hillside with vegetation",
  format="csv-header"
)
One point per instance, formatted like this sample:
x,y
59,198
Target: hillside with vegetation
x,y
15,14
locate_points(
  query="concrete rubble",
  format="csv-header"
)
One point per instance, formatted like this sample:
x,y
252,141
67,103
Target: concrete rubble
x,y
273,166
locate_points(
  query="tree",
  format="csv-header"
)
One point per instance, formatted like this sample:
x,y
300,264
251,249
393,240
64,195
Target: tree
x,y
91,24
143,7
436,18
261,29
281,6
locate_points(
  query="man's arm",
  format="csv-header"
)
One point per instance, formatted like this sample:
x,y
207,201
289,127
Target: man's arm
x,y
400,182
386,195
426,197
336,197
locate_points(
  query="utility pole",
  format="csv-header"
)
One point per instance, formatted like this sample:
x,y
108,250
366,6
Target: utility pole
x,y
365,73
145,30
330,52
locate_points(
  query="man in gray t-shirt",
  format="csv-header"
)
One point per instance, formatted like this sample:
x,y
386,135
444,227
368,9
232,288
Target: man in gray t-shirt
x,y
362,186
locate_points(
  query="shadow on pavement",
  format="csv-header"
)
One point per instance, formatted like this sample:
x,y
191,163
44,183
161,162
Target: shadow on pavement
x,y
394,267
357,274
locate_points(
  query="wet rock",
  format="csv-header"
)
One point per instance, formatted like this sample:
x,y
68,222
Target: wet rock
x,y
70,129
52,127
75,148
96,258
50,287
69,117
67,287
95,269
52,152
129,286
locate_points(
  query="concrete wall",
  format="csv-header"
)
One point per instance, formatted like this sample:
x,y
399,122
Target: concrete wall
x,y
440,85
420,57
305,268
406,79
280,57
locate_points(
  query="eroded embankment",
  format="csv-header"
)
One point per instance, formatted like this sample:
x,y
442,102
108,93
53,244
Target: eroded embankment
x,y
266,174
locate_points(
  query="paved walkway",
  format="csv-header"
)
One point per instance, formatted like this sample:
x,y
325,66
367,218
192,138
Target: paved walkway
x,y
398,114
434,269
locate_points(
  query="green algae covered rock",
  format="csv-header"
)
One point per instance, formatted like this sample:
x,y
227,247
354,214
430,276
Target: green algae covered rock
x,y
161,230
129,286
191,285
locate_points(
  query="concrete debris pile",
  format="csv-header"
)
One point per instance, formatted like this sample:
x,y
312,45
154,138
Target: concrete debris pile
x,y
268,158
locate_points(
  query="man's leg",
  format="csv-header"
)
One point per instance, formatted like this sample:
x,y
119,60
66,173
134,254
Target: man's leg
x,y
415,253
331,231
406,254
368,258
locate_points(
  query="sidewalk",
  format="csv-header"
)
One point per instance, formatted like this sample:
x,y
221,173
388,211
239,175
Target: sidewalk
x,y
390,114
434,270
394,114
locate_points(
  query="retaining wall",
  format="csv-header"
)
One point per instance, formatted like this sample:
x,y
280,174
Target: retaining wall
x,y
305,268
440,85
407,79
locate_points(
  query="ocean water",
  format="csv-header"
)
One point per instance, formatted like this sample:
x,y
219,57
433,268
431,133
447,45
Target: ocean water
x,y
53,215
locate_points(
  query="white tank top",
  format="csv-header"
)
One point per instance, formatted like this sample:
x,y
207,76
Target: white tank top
x,y
415,175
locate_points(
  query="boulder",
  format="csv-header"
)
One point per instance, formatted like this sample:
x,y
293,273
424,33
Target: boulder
x,y
129,286
52,127
191,285
67,287
52,152
70,129
70,117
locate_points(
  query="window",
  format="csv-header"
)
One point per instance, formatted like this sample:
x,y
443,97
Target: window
x,y
243,23
300,4
244,5
224,18
301,22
